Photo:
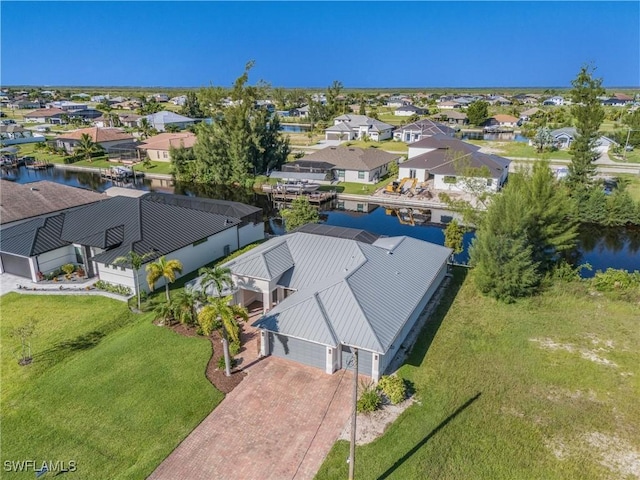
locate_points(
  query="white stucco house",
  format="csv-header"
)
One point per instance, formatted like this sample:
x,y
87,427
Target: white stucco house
x,y
564,137
192,230
356,127
105,137
16,134
162,119
443,159
326,291
346,164
421,129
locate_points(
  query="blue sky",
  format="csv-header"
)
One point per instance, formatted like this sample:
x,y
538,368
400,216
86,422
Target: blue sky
x,y
310,44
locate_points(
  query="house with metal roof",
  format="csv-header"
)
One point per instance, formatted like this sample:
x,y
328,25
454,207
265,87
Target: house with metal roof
x,y
357,127
192,230
421,129
346,164
326,291
448,160
161,120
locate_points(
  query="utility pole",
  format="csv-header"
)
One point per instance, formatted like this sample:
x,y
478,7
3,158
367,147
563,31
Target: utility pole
x,y
352,449
626,145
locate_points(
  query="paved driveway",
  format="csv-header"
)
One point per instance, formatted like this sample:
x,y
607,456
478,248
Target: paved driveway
x,y
278,423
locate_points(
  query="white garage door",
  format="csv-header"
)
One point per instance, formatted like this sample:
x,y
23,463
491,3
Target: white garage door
x,y
301,351
16,265
365,360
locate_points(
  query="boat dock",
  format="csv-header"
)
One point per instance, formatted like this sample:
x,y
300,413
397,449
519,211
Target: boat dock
x,y
314,197
111,174
39,165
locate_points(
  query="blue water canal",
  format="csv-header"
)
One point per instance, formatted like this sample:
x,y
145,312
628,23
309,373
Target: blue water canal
x,y
601,247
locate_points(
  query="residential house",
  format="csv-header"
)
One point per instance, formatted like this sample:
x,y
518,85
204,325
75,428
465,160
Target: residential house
x,y
366,293
453,117
423,128
86,114
498,100
191,230
179,100
67,106
129,120
25,104
444,159
347,164
396,102
127,105
159,146
46,115
501,120
162,119
351,127
16,134
525,115
449,105
556,100
564,137
20,202
105,137
160,97
409,110
301,112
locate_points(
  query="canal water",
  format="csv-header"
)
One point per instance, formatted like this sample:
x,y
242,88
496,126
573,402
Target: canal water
x,y
294,128
599,246
497,137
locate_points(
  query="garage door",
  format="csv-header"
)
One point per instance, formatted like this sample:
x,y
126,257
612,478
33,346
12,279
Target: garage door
x,y
335,136
16,265
309,353
365,360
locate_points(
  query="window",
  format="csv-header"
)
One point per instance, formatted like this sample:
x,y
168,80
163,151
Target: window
x,y
340,173
489,182
360,207
165,154
360,175
340,206
450,179
227,250
198,242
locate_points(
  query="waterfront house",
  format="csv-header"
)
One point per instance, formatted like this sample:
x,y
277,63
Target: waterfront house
x,y
357,127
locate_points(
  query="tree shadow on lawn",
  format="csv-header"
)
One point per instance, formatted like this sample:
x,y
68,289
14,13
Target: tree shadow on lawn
x,y
428,437
429,331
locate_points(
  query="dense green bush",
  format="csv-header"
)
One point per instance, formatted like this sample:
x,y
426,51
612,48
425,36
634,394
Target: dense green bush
x,y
393,387
222,364
369,400
616,280
234,348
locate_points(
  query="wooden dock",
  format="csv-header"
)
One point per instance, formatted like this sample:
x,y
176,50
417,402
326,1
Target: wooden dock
x,y
39,165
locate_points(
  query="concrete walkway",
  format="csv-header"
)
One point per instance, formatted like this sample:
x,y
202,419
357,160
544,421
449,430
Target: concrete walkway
x,y
278,423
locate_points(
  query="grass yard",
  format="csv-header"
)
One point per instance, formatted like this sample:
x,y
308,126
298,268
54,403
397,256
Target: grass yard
x,y
520,150
630,157
354,187
546,388
107,389
634,185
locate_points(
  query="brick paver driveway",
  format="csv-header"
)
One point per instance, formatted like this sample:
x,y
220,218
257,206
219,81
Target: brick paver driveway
x,y
278,423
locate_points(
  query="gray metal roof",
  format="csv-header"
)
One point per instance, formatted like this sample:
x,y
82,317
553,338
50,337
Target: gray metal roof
x,y
298,175
118,225
339,232
350,292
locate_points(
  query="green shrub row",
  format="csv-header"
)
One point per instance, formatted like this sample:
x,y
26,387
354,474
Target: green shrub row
x,y
117,289
393,387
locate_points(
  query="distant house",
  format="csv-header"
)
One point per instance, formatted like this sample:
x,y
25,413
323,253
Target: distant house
x,y
396,102
191,230
526,115
127,105
498,100
564,137
351,127
16,134
301,112
162,119
179,100
408,110
423,128
441,158
25,104
449,105
348,164
129,119
556,100
453,117
67,106
105,137
86,114
46,115
160,97
159,146
501,120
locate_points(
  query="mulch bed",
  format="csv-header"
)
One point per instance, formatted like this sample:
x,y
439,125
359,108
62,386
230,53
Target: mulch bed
x,y
214,375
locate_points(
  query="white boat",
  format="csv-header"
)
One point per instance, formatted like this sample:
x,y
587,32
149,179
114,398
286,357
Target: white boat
x,y
297,187
122,172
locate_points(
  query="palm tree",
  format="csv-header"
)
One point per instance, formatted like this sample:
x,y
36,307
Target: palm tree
x,y
86,147
219,315
163,268
164,311
218,277
185,304
145,128
135,261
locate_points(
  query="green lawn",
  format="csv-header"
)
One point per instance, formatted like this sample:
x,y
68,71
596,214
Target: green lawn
x,y
355,188
107,389
630,157
517,391
520,150
634,184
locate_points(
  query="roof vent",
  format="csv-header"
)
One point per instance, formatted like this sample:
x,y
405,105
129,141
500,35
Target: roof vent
x,y
34,189
397,273
389,252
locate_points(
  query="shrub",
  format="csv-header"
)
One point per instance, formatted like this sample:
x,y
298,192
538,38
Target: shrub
x,y
393,387
369,400
117,289
612,280
222,364
234,348
68,269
